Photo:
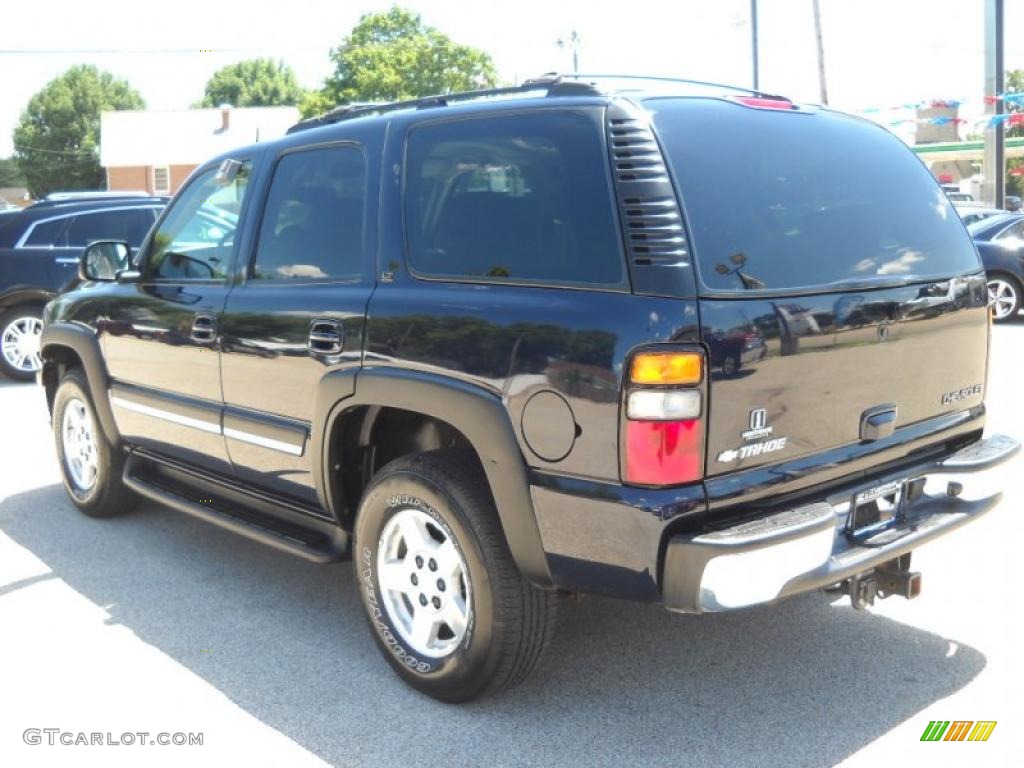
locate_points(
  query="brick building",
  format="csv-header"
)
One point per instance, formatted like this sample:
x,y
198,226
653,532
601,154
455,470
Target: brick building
x,y
156,151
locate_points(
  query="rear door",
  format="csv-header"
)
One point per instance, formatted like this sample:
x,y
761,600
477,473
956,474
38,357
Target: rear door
x,y
298,310
840,294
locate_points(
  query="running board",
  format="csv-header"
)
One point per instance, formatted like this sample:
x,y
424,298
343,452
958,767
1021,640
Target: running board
x,y
311,545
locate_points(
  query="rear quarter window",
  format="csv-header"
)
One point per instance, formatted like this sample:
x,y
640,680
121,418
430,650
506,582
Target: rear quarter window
x,y
789,200
512,198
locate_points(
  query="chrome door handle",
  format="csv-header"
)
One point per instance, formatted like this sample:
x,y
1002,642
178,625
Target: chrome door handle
x,y
326,337
204,329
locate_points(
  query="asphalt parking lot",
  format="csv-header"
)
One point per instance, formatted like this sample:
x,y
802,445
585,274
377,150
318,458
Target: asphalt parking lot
x,y
158,623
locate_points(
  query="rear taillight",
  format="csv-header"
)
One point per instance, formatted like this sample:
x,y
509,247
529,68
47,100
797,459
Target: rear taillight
x,y
764,102
663,441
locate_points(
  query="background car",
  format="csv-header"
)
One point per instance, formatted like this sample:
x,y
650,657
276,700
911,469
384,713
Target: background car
x,y
39,251
972,213
1012,202
1000,241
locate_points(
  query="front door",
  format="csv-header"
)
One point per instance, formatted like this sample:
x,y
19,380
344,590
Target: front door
x,y
160,334
297,310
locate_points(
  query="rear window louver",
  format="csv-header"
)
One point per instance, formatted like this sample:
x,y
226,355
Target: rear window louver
x,y
651,218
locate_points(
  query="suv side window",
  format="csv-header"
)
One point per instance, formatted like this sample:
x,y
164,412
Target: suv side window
x,y
45,233
313,220
197,236
130,225
517,198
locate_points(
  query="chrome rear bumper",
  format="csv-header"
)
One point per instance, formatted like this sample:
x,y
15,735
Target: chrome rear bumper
x,y
806,548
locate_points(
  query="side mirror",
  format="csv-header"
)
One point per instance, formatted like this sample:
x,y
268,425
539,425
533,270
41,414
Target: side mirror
x,y
104,260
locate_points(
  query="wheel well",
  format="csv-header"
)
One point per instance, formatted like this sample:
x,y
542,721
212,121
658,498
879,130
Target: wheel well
x,y
366,438
57,360
24,299
1004,275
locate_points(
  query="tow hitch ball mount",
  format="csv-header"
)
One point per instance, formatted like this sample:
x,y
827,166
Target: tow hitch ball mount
x,y
888,579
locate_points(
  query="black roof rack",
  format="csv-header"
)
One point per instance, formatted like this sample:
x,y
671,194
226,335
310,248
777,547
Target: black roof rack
x,y
554,84
682,80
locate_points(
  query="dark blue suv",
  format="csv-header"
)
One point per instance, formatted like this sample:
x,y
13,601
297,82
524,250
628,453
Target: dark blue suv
x,y
39,251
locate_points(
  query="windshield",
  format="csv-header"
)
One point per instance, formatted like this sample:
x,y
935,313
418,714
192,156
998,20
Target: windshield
x,y
787,200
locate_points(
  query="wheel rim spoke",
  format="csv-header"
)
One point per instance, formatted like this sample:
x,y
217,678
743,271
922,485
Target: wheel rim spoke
x,y
455,615
393,576
424,629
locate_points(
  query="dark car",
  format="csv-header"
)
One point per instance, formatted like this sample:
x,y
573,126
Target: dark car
x,y
1000,242
40,247
467,342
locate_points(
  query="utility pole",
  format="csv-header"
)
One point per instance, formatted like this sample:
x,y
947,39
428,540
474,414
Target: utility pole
x,y
993,189
571,41
753,42
822,88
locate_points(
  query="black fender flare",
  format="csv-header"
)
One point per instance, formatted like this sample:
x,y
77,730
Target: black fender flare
x,y
477,413
83,342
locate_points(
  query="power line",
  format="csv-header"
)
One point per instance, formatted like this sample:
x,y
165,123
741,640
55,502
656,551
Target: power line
x,y
21,147
79,51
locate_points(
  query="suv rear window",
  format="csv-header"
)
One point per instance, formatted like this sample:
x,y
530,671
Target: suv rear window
x,y
516,198
780,201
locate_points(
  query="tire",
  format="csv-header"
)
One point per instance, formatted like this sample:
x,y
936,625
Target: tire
x,y
20,329
91,467
507,621
1004,296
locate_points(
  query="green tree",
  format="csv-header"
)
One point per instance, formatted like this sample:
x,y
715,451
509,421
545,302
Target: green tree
x,y
56,142
253,83
10,173
392,56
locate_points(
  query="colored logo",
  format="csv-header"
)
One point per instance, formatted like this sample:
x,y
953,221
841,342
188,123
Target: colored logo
x,y
958,730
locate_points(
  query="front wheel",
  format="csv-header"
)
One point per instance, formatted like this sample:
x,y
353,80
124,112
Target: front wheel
x,y
20,331
1004,297
446,604
92,468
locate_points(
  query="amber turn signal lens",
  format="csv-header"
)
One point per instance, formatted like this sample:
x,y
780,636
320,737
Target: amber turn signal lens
x,y
666,368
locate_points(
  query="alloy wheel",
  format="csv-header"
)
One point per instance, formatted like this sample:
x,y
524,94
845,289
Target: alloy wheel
x,y
19,344
424,583
79,445
1002,296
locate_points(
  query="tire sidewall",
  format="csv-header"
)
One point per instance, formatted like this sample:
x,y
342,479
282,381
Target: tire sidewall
x,y
70,388
475,654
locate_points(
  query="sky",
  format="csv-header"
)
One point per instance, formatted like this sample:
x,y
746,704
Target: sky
x,y
877,52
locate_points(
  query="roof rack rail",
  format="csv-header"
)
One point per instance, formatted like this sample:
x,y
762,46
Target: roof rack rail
x,y
554,84
659,79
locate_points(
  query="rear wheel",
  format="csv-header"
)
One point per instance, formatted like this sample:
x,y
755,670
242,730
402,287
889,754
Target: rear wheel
x,y
92,468
1004,296
20,331
446,604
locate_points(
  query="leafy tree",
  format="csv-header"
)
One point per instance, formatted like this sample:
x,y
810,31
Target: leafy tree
x,y
10,173
253,83
392,56
56,141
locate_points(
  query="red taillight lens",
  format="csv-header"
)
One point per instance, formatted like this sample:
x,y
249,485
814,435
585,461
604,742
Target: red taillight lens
x,y
664,452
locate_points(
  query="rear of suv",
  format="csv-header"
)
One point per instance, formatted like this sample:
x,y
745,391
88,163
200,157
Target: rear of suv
x,y
680,346
40,247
